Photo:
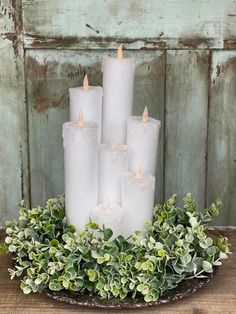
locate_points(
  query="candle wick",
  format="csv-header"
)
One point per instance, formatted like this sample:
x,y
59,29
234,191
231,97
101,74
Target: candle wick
x,y
81,119
85,82
120,52
145,115
138,172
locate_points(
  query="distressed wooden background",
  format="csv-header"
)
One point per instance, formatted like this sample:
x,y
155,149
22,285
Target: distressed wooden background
x,y
185,52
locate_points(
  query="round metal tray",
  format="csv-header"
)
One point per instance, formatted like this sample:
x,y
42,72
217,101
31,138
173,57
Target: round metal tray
x,y
184,289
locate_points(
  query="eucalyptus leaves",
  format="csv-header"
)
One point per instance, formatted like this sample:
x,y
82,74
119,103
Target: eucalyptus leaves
x,y
50,255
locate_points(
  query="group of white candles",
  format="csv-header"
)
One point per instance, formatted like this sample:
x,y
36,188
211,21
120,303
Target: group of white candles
x,y
109,155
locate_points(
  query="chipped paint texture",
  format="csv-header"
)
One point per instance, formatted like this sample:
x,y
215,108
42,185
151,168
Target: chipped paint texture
x,y
221,174
13,143
136,23
220,61
6,17
186,123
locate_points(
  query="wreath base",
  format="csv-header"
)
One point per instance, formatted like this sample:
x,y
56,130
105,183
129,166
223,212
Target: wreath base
x,y
91,300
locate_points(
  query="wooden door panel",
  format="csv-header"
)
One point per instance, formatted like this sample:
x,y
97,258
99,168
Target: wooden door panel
x,y
45,48
13,125
186,113
221,173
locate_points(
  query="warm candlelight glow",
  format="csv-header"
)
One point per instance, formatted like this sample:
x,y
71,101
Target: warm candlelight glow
x,y
81,119
145,114
138,172
85,82
108,205
120,52
114,142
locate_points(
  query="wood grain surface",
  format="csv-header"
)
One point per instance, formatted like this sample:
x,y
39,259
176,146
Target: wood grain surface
x,y
139,24
13,133
186,123
221,170
216,298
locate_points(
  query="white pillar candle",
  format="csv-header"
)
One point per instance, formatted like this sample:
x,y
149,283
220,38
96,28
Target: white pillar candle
x,y
110,215
87,99
80,140
142,142
137,199
113,163
118,85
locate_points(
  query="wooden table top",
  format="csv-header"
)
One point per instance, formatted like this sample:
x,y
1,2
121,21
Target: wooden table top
x,y
219,296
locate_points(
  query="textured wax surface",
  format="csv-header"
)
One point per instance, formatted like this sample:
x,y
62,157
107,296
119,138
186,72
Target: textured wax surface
x,y
142,141
89,102
110,218
137,199
80,159
118,86
113,163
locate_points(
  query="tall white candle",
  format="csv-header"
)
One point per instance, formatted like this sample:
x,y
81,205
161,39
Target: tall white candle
x,y
118,85
110,215
142,141
113,163
80,140
137,199
87,99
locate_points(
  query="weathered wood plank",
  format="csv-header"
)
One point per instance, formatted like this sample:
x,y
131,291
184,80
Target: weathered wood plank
x,y
217,297
13,139
149,91
7,15
49,75
154,24
186,123
221,174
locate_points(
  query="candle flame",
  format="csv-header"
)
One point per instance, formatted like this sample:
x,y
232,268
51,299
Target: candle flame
x,y
108,205
114,142
85,82
120,52
145,114
81,119
138,172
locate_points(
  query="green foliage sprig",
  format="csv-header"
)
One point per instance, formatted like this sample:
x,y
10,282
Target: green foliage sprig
x,y
51,255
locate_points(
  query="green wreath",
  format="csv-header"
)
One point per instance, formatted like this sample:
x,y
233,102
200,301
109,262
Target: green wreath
x,y
50,255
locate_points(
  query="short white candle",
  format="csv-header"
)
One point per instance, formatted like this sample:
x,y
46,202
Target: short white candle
x,y
142,141
137,199
110,215
87,99
80,140
113,163
118,85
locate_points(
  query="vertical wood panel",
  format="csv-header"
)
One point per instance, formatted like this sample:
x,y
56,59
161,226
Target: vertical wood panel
x,y
49,75
149,91
186,123
13,137
221,180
